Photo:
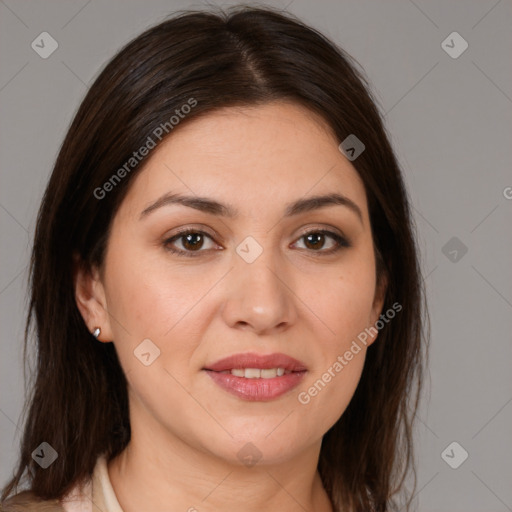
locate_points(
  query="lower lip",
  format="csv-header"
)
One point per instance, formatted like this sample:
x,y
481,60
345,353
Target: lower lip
x,y
257,389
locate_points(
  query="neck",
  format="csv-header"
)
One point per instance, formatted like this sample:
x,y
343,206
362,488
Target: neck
x,y
160,471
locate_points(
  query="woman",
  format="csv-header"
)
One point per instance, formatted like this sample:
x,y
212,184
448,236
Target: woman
x,y
225,283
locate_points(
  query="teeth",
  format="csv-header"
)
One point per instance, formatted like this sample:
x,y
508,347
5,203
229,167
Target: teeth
x,y
256,373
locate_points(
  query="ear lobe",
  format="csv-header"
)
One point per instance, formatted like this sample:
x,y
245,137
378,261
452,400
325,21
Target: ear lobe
x,y
90,298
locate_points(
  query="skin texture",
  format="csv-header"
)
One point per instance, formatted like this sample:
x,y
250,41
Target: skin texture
x,y
294,298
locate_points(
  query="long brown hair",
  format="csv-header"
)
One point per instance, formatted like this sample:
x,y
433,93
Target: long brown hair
x,y
78,400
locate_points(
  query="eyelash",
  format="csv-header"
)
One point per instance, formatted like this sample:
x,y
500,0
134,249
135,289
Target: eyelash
x,y
341,241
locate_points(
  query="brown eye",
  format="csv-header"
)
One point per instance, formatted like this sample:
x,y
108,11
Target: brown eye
x,y
316,240
192,241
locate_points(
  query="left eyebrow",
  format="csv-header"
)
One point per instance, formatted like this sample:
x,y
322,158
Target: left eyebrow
x,y
315,202
213,207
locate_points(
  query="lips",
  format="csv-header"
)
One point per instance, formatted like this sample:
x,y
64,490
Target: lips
x,y
252,360
262,388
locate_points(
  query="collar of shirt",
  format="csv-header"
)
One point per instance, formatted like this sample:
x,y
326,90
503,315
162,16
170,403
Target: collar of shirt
x,y
97,495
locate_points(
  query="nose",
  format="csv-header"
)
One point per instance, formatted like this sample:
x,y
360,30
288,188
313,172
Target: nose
x,y
258,297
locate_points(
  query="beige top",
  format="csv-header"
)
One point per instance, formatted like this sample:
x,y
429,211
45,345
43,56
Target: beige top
x,y
97,495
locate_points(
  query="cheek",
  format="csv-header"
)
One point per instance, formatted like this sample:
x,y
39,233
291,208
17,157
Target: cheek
x,y
339,362
344,304
150,294
149,301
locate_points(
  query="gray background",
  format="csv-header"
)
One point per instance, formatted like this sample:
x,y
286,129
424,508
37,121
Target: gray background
x,y
450,121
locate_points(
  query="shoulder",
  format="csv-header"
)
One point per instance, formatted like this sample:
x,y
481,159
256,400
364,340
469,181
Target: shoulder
x,y
27,501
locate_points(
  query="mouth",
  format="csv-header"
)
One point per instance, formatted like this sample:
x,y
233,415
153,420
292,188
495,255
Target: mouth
x,y
257,377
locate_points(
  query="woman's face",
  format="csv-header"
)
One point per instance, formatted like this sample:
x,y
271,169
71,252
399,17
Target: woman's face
x,y
252,283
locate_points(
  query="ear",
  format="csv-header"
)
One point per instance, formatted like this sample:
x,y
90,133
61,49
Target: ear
x,y
378,303
91,299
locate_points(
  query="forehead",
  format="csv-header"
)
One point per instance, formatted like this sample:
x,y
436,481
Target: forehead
x,y
254,158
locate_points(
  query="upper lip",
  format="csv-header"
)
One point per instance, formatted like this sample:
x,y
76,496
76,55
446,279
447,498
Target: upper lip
x,y
253,360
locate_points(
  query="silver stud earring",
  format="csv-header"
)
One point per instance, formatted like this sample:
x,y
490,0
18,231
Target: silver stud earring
x,y
96,332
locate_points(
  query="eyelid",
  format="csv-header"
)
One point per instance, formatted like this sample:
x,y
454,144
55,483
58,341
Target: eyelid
x,y
191,228
324,228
